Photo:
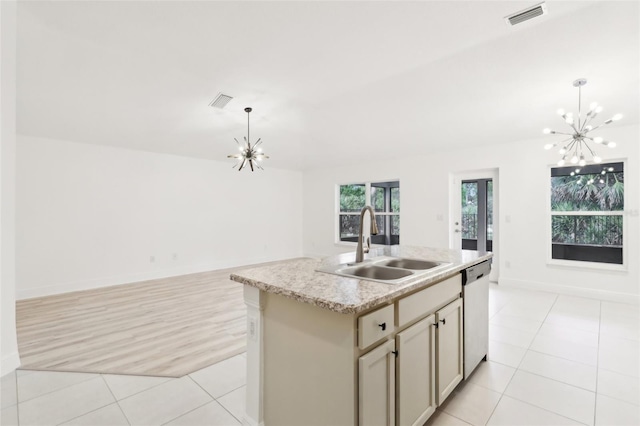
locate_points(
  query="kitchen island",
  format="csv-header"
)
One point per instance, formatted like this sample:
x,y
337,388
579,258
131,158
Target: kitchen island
x,y
333,350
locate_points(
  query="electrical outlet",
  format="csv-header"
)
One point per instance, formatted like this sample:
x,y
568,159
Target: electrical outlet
x,y
439,217
507,264
175,256
152,259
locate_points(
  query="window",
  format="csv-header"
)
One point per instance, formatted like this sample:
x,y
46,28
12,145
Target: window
x,y
384,197
587,207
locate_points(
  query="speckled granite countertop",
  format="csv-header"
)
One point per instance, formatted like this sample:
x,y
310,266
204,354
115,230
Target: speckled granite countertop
x,y
298,279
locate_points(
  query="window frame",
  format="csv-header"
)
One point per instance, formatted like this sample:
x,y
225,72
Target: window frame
x,y
582,264
385,214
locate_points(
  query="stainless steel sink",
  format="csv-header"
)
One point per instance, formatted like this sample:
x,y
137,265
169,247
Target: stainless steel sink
x,y
385,269
377,272
410,263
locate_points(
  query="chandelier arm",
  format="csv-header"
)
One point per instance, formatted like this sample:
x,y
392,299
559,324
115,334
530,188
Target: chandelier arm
x,y
598,126
593,154
566,140
573,126
562,133
587,121
570,146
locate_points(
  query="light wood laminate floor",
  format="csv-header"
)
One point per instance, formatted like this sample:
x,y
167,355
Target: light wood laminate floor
x,y
166,327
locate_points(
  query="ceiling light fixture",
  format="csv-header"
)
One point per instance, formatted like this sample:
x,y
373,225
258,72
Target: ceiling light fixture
x,y
249,154
575,147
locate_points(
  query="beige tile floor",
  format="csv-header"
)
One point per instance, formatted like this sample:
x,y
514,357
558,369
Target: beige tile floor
x,y
553,360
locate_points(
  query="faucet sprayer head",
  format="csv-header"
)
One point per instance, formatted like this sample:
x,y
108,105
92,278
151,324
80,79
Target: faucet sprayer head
x,y
374,226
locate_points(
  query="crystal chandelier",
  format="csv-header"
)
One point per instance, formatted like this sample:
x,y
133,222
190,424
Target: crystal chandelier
x,y
249,154
575,147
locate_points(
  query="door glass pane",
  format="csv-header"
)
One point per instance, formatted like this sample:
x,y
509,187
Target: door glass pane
x,y
352,198
490,210
469,210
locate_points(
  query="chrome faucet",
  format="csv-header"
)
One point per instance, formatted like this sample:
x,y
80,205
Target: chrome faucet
x,y
360,251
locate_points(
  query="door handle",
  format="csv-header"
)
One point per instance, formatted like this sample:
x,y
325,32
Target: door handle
x,y
456,230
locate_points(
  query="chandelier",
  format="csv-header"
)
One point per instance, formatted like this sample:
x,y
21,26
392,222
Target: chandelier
x,y
577,145
249,154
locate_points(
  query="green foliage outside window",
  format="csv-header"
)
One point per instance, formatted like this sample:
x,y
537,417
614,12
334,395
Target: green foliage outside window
x,y
592,192
352,198
589,192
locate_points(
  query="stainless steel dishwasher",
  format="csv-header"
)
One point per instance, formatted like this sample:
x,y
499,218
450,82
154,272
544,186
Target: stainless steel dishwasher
x,y
475,293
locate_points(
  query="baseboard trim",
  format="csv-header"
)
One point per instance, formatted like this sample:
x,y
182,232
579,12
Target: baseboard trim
x,y
590,293
9,363
30,293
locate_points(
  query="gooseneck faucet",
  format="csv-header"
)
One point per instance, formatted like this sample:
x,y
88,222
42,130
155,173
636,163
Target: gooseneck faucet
x,y
360,251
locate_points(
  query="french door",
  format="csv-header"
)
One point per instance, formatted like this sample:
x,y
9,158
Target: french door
x,y
476,219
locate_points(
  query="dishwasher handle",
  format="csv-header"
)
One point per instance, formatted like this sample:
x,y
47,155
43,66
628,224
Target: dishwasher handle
x,y
476,272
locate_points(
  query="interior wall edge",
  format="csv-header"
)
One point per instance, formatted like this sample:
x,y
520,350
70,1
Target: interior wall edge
x,y
9,363
590,293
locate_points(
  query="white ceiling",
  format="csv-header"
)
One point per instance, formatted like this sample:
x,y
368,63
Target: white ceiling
x,y
330,82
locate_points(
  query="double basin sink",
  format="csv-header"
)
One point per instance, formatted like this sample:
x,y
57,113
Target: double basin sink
x,y
390,270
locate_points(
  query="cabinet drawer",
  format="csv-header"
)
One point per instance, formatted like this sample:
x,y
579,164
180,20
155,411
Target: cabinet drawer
x,y
428,300
375,325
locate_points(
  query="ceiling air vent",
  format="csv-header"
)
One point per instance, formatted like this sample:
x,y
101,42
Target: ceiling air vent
x,y
525,15
220,101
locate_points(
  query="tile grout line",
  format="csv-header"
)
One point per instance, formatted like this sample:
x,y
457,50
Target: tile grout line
x,y
595,402
116,399
55,390
214,399
518,369
15,375
139,392
94,410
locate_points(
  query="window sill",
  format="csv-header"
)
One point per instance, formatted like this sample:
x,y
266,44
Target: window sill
x,y
576,264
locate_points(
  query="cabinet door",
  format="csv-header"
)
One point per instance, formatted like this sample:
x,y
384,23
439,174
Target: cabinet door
x,y
449,348
376,391
416,390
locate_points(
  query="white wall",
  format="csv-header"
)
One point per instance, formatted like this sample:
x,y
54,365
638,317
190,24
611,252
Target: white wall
x,y
9,359
91,216
523,191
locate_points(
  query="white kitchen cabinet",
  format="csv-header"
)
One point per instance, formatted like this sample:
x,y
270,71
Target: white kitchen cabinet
x,y
376,372
449,349
386,365
416,390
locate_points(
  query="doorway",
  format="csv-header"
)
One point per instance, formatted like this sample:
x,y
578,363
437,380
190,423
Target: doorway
x,y
473,208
